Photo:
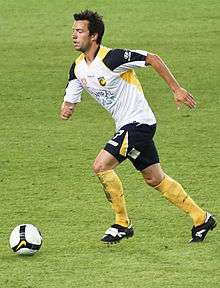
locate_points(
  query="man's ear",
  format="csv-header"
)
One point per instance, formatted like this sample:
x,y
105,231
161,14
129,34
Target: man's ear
x,y
95,36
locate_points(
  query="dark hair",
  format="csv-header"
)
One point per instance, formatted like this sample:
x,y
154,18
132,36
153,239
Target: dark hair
x,y
96,24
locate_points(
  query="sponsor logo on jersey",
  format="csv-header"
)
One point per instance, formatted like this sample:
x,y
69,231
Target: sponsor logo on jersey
x,y
104,97
102,81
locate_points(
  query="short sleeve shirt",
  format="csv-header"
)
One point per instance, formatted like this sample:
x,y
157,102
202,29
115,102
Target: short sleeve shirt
x,y
111,80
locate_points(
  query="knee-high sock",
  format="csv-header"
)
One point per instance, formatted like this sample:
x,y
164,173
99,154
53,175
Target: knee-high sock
x,y
114,192
175,193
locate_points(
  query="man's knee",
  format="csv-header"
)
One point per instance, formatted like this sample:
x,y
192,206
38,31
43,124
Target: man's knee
x,y
153,175
104,161
98,167
153,181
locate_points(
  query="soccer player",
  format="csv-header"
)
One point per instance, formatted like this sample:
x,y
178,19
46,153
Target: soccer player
x,y
108,76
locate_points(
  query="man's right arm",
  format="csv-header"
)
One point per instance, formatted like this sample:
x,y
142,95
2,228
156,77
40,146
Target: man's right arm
x,y
72,95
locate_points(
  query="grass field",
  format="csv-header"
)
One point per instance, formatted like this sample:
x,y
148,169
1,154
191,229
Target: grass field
x,y
45,164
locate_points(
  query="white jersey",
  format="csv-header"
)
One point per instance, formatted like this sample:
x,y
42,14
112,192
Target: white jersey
x,y
111,80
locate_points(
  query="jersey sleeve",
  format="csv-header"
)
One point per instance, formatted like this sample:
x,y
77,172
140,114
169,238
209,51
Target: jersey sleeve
x,y
121,60
74,88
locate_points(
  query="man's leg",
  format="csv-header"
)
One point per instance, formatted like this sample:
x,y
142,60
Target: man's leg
x,y
174,192
103,168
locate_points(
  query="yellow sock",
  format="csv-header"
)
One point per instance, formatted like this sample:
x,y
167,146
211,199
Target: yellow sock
x,y
114,192
175,193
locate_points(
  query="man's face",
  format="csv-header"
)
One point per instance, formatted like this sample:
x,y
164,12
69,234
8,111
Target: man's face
x,y
82,40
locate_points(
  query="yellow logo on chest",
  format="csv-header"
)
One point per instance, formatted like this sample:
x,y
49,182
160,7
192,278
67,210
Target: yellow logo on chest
x,y
102,81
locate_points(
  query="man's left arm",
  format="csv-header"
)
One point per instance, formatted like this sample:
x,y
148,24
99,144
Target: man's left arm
x,y
180,94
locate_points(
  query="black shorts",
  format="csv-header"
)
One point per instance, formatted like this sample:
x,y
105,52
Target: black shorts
x,y
135,142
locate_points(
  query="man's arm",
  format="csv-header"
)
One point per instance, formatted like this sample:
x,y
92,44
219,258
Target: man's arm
x,y
72,95
67,110
180,94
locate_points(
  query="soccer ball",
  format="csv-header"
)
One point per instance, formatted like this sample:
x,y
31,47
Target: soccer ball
x,y
25,239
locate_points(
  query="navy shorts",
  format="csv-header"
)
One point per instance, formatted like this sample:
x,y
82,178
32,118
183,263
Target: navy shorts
x,y
135,142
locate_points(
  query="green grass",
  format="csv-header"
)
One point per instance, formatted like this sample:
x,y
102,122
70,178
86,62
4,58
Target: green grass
x,y
45,164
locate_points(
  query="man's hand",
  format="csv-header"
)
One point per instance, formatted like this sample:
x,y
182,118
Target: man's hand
x,y
182,96
67,109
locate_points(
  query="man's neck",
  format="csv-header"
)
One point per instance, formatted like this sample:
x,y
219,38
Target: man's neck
x,y
91,53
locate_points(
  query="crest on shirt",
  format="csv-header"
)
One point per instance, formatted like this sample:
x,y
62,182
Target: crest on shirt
x,y
102,81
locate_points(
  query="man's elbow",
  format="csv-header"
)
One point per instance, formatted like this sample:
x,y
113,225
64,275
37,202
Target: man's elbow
x,y
152,59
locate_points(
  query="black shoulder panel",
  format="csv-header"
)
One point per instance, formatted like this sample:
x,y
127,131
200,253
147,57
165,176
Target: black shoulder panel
x,y
72,73
116,57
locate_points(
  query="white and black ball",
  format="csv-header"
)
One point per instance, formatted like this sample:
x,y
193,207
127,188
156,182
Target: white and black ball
x,y
25,239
